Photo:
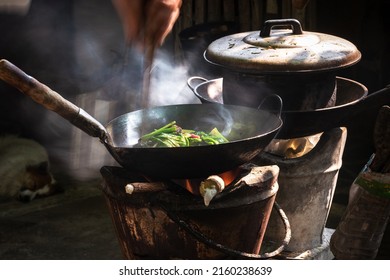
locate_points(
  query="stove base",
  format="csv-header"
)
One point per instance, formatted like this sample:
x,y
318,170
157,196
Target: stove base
x,y
321,252
172,223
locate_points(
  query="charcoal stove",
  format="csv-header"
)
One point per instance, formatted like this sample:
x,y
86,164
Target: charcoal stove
x,y
164,220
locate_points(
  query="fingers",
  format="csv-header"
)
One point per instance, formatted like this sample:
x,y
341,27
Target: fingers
x,y
131,13
161,16
147,22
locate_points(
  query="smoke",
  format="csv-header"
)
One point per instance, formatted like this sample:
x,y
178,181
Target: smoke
x,y
110,80
169,83
119,95
80,53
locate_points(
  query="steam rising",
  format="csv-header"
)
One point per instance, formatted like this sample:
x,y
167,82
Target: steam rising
x,y
105,84
169,83
119,96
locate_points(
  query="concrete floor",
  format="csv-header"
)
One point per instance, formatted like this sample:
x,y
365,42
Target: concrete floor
x,y
73,225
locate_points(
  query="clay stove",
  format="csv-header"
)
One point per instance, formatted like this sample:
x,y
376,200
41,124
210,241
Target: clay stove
x,y
163,220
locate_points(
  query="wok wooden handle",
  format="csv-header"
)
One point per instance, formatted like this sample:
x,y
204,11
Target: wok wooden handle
x,y
50,99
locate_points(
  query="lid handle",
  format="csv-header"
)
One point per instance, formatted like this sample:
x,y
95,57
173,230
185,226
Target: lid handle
x,y
292,23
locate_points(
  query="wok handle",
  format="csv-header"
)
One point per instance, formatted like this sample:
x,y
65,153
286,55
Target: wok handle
x,y
50,99
194,81
278,100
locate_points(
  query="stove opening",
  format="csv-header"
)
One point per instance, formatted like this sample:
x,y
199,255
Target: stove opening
x,y
210,186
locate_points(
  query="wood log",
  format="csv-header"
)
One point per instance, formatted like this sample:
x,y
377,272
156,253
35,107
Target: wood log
x,y
139,187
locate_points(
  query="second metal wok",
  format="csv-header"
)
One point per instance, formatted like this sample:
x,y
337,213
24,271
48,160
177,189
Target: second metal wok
x,y
249,131
352,101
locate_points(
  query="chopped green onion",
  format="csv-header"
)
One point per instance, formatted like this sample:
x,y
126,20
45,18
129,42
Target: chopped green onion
x,y
172,135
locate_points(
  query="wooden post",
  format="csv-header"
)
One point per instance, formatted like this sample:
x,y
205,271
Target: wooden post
x,y
228,8
257,11
244,15
199,14
214,11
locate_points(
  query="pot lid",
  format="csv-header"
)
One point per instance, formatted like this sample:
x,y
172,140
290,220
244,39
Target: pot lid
x,y
275,50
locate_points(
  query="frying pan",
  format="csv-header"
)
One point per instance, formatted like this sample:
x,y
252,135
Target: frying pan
x,y
352,101
249,131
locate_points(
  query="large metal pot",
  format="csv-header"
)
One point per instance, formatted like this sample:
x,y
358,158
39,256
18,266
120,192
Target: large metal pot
x,y
249,131
297,65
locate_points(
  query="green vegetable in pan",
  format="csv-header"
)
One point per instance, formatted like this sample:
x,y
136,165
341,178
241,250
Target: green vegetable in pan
x,y
172,135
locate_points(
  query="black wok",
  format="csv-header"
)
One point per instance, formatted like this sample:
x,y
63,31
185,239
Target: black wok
x,y
248,130
352,101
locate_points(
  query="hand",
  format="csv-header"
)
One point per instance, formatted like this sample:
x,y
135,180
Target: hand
x,y
147,22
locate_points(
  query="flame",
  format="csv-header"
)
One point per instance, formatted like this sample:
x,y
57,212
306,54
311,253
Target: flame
x,y
293,148
192,185
229,176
